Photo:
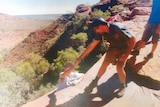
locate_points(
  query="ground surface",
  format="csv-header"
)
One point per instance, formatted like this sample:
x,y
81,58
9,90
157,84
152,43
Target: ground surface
x,y
143,82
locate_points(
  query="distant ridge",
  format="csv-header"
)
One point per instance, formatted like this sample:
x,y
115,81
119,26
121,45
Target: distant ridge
x,y
48,17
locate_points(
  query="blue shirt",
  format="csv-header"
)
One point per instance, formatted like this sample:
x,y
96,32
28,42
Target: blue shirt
x,y
155,13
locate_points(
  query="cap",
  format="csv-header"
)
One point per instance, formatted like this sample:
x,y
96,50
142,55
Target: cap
x,y
98,21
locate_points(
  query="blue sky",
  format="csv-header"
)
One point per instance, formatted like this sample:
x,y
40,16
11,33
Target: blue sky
x,y
22,7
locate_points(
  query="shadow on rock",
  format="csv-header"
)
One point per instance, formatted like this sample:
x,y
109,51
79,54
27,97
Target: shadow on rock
x,y
131,70
105,93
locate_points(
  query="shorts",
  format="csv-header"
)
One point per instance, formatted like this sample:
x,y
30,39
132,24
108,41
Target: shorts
x,y
150,31
113,54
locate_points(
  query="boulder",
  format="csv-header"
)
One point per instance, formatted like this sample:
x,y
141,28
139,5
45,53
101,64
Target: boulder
x,y
140,11
83,10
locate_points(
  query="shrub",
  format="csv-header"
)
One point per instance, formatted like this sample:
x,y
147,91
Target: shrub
x,y
99,13
69,54
2,53
13,89
41,91
117,8
32,68
79,39
77,24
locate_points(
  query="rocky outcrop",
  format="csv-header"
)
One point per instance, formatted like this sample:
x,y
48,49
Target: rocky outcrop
x,y
39,41
130,8
83,10
140,11
104,5
143,82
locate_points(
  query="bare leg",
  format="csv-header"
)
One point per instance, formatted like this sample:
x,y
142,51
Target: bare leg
x,y
154,47
121,72
101,71
103,67
141,45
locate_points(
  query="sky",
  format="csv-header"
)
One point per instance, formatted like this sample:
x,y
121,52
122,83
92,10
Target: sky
x,y
30,7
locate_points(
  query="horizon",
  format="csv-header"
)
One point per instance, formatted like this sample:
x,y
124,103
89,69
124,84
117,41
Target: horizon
x,y
31,7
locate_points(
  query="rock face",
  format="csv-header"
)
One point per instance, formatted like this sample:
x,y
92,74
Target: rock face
x,y
13,32
143,82
143,76
39,41
140,11
142,89
83,10
104,5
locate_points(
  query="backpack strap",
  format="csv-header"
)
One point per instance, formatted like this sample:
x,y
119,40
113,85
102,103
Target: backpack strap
x,y
104,42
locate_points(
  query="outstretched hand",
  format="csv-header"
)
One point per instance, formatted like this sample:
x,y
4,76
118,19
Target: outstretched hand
x,y
68,70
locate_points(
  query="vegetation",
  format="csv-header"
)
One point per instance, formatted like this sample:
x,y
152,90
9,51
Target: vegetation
x,y
13,88
30,72
99,13
69,54
2,53
32,68
77,25
117,8
79,40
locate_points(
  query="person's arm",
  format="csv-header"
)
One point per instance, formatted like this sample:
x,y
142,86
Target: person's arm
x,y
89,48
67,71
131,43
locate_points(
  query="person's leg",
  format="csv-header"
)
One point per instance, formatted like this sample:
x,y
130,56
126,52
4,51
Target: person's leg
x,y
110,57
141,45
154,47
107,60
155,38
121,72
145,37
122,78
150,55
101,71
103,67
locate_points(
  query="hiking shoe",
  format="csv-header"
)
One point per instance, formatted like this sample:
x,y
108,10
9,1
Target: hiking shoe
x,y
135,52
149,56
121,91
92,85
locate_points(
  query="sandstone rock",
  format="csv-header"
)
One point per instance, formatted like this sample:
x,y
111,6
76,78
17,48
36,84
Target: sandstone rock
x,y
140,11
83,10
143,80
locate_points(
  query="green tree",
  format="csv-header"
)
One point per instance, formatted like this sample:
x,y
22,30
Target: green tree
x,y
32,68
79,40
77,24
69,54
99,13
